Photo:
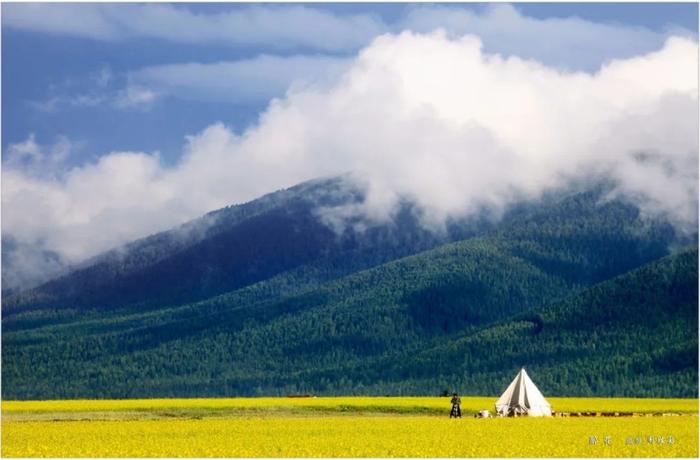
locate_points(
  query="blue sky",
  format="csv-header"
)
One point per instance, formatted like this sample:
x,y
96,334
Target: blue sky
x,y
45,72
121,120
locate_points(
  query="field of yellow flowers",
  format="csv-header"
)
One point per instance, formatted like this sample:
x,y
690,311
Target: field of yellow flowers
x,y
340,427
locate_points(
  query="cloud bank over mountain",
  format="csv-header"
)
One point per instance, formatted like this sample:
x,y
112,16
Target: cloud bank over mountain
x,y
433,118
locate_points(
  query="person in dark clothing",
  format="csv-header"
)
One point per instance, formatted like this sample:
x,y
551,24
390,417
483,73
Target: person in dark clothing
x,y
456,411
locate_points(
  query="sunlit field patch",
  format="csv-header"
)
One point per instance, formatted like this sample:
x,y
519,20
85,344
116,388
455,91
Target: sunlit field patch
x,y
346,429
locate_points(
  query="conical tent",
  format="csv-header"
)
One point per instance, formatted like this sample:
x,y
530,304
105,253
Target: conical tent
x,y
523,398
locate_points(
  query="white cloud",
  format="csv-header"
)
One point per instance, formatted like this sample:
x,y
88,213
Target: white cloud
x,y
88,21
55,103
248,80
565,43
135,96
92,91
245,81
426,117
97,91
274,26
35,159
572,42
26,264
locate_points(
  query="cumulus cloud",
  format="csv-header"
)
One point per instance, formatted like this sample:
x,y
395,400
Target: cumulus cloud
x,y
429,118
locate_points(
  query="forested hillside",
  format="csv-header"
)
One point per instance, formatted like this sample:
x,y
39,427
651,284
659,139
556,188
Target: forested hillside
x,y
554,286
636,334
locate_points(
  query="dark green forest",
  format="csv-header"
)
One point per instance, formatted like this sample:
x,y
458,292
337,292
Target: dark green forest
x,y
264,299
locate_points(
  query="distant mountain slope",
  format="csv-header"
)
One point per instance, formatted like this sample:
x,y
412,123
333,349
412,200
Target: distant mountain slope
x,y
358,332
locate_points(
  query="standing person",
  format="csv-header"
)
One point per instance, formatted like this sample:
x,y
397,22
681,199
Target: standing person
x,y
456,409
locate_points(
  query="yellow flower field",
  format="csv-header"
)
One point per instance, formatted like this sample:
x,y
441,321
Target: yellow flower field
x,y
26,431
401,404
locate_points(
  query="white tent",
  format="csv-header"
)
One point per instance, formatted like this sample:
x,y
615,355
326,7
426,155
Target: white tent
x,y
523,398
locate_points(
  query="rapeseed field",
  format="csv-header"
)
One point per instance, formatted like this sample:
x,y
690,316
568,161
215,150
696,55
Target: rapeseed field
x,y
349,427
402,404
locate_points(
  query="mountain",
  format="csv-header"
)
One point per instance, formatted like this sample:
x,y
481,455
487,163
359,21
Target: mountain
x,y
237,246
264,298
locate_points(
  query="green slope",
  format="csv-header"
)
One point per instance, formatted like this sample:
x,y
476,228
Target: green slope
x,y
335,326
634,335
416,325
